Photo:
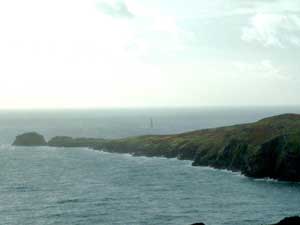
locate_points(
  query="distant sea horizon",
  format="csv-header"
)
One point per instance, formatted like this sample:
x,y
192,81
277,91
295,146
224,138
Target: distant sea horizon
x,y
124,122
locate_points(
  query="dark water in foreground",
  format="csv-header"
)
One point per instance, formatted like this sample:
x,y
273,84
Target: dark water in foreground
x,y
79,186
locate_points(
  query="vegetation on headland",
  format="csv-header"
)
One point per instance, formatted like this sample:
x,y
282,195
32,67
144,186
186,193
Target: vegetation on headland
x,y
30,139
267,148
65,141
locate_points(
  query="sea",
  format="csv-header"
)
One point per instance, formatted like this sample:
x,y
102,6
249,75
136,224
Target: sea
x,y
80,186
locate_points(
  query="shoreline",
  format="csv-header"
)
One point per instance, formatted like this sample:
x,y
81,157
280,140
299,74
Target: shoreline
x,y
234,173
162,160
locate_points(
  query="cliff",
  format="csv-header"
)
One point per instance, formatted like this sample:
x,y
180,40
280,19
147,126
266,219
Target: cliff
x,y
267,148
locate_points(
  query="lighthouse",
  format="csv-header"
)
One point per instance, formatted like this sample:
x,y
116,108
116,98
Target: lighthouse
x,y
151,123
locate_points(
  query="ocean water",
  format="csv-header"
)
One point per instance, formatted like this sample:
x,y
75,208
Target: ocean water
x,y
44,185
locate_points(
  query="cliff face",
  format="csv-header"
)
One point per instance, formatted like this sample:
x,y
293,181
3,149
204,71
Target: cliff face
x,y
278,158
30,139
267,148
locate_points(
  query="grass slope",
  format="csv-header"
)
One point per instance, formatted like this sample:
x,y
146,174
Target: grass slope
x,y
267,148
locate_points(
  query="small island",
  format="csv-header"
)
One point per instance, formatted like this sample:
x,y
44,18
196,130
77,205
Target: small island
x,y
30,139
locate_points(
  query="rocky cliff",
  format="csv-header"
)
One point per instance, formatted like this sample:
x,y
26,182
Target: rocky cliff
x,y
267,148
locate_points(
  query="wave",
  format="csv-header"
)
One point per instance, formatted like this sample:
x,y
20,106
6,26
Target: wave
x,y
7,147
66,201
272,180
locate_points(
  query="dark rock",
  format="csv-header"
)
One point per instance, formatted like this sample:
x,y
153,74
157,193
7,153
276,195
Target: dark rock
x,y
187,151
198,224
277,158
30,139
232,155
295,220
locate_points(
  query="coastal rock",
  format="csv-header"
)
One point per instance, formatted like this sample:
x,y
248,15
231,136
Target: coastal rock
x,y
278,158
268,148
30,139
233,155
295,220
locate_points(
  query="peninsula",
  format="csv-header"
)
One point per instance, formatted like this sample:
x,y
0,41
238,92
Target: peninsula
x,y
268,148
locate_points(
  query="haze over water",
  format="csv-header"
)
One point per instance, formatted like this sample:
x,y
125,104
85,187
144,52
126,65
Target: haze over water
x,y
78,186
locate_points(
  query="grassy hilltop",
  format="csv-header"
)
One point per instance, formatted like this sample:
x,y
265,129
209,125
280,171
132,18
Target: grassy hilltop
x,y
267,148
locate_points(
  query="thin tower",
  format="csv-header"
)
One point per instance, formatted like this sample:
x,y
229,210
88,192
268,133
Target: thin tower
x,y
151,123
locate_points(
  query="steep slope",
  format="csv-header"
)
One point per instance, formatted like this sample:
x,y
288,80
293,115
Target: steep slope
x,y
267,148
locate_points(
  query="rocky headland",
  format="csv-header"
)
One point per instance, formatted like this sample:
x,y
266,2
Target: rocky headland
x,y
268,148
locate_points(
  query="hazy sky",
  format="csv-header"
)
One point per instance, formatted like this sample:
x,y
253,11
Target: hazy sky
x,y
106,53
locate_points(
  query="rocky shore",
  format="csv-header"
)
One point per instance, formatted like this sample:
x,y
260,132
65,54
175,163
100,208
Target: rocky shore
x,y
295,220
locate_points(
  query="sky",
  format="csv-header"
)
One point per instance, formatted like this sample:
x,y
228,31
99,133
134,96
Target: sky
x,y
149,53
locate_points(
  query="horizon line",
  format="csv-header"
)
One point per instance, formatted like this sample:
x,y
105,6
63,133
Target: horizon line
x,y
146,107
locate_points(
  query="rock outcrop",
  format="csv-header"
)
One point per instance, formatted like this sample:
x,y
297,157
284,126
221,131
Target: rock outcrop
x,y
30,139
277,158
295,220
